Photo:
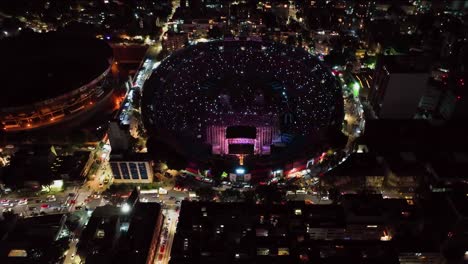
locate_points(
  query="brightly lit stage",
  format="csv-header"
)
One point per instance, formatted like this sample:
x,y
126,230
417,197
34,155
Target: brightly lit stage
x,y
241,140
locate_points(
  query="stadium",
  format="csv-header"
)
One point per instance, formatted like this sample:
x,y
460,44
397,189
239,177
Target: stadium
x,y
51,78
258,104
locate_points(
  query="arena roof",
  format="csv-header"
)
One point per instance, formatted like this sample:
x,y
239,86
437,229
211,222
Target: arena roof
x,y
37,67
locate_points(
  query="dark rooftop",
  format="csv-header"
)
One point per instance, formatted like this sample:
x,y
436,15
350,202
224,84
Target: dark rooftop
x,y
414,136
38,67
259,233
134,248
359,164
101,233
406,63
404,164
37,236
131,157
448,165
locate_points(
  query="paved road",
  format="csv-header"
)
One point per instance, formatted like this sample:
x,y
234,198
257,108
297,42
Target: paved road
x,y
84,198
166,241
170,203
315,199
16,202
59,203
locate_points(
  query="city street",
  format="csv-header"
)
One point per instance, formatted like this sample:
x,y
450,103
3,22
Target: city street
x,y
71,256
314,198
38,204
66,201
170,222
84,198
170,203
291,131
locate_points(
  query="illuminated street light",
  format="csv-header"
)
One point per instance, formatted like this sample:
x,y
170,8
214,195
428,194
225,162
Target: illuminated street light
x,y
58,184
125,208
356,88
240,170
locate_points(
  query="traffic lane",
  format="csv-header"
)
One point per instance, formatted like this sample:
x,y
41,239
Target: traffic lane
x,y
315,199
192,182
38,194
156,197
34,208
169,241
167,236
18,198
93,203
162,199
15,199
171,193
71,255
178,194
17,209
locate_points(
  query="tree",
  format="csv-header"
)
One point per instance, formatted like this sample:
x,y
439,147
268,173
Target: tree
x,y
369,61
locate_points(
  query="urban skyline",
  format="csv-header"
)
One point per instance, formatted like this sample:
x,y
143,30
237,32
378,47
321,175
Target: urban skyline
x,y
209,131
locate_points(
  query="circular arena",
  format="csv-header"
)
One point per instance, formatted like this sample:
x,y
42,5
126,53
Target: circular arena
x,y
259,104
50,78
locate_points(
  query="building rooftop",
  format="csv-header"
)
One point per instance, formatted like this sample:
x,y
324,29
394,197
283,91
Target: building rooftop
x,y
359,164
280,233
404,164
71,166
136,245
106,211
405,63
414,136
448,166
37,67
101,233
364,205
35,237
131,157
113,237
